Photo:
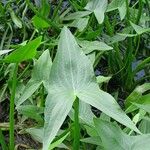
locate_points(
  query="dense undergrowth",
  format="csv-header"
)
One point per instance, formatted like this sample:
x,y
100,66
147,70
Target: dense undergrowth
x,y
74,74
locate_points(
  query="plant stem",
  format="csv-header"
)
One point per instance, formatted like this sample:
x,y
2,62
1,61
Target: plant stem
x,y
2,141
11,113
76,143
139,12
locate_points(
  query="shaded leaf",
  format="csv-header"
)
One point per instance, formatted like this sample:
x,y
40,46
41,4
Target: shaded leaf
x,y
77,15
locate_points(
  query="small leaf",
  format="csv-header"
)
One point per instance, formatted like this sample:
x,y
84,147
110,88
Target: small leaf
x,y
139,29
80,23
15,19
136,94
31,111
40,75
39,23
2,52
90,46
98,7
58,142
24,52
77,15
36,133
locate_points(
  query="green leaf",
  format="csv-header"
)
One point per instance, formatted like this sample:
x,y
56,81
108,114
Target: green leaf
x,y
24,52
80,23
72,76
36,133
15,19
118,140
58,142
101,79
90,46
137,94
145,107
58,104
31,111
139,30
98,7
40,75
77,15
138,99
86,114
95,140
39,23
118,4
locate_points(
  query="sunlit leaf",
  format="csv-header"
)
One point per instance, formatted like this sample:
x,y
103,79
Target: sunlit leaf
x,y
24,52
72,76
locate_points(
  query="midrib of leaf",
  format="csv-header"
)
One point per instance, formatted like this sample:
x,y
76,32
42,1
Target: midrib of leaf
x,y
70,57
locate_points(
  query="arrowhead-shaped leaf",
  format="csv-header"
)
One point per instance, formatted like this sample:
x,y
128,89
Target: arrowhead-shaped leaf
x,y
72,76
98,7
114,138
40,75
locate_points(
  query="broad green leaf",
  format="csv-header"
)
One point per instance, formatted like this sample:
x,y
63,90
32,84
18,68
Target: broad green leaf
x,y
98,7
80,23
15,19
31,111
58,142
90,46
39,23
138,29
40,75
72,76
77,15
118,140
24,52
2,52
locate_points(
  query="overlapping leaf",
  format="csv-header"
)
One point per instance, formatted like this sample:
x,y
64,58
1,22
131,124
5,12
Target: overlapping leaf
x,y
24,52
72,76
40,75
114,138
98,7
